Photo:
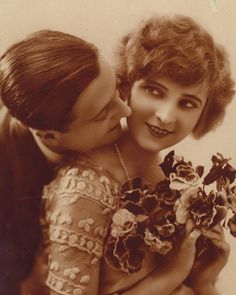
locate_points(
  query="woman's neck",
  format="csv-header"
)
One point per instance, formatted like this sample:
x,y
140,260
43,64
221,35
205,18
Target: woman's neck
x,y
138,161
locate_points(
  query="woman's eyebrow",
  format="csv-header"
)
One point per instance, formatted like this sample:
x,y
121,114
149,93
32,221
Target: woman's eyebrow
x,y
194,97
157,84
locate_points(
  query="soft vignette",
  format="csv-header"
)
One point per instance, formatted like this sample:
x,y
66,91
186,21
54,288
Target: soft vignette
x,y
103,22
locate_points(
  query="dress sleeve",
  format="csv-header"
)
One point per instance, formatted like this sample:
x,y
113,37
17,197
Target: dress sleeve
x,y
79,206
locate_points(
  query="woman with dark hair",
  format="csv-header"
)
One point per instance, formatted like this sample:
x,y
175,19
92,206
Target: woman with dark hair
x,y
61,94
172,74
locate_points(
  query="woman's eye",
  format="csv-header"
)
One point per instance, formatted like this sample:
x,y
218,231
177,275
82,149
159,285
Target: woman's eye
x,y
153,91
187,104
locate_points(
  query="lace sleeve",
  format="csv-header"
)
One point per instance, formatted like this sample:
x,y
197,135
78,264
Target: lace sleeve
x,y
78,212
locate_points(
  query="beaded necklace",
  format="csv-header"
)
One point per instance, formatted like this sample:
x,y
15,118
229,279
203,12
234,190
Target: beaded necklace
x,y
123,166
122,163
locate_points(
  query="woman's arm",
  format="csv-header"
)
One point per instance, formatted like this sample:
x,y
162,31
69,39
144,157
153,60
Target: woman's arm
x,y
79,214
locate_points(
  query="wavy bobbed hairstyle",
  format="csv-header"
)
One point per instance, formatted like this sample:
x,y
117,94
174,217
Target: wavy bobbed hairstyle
x,y
43,75
179,49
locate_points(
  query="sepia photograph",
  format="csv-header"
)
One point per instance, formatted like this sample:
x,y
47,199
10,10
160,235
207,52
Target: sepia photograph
x,y
117,147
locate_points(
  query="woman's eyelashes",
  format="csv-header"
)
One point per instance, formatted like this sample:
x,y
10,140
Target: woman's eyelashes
x,y
158,93
154,91
188,104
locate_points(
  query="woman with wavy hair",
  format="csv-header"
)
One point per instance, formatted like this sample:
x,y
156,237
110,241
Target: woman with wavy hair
x,y
177,82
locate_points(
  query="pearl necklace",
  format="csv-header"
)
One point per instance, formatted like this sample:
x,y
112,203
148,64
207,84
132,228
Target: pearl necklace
x,y
122,163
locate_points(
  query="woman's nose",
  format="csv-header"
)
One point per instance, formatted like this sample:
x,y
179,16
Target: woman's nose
x,y
166,114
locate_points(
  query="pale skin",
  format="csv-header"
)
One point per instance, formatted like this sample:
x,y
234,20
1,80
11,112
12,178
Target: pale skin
x,y
205,273
163,104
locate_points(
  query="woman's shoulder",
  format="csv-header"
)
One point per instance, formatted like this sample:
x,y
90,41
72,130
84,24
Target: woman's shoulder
x,y
83,177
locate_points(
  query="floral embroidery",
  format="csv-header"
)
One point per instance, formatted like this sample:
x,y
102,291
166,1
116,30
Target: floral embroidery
x,y
54,266
55,215
94,261
59,285
86,224
106,211
71,171
71,272
65,219
73,239
77,292
90,245
100,231
85,279
76,240
63,248
98,193
90,174
73,234
71,186
81,185
63,286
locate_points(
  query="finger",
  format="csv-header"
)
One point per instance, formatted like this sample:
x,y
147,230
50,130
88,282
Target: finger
x,y
195,233
189,226
218,228
217,235
223,246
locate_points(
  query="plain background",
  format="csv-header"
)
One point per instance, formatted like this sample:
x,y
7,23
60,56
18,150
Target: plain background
x,y
104,22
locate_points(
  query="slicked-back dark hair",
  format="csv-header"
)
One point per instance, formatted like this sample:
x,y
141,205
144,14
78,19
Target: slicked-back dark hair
x,y
43,75
179,49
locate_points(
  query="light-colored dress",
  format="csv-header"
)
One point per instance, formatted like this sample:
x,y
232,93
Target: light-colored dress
x,y
79,205
78,208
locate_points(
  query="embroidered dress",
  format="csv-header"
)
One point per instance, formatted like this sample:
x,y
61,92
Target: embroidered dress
x,y
78,207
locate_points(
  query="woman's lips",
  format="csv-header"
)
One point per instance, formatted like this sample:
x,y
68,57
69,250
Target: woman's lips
x,y
157,131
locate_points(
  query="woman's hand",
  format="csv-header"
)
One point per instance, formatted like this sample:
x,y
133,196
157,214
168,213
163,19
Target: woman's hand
x,y
172,272
182,259
211,262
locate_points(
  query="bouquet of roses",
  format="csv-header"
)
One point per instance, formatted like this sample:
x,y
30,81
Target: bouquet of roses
x,y
153,218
